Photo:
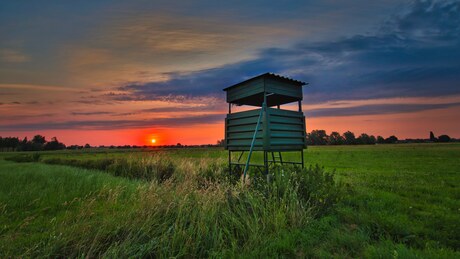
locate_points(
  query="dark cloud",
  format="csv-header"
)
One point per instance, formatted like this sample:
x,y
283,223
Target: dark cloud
x,y
116,124
375,109
201,83
123,114
90,113
415,54
430,21
177,109
95,100
210,106
25,117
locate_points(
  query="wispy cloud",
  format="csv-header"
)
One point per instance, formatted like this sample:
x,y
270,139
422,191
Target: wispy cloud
x,y
13,56
377,109
403,58
90,113
38,87
188,121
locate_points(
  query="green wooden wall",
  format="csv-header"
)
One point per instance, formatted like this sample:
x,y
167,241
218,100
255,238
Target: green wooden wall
x,y
281,130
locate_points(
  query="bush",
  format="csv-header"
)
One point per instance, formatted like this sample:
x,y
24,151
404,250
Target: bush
x,y
146,168
318,187
312,186
444,138
97,164
53,161
215,173
24,158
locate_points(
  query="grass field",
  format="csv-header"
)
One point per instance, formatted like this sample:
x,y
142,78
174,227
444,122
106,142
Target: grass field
x,y
387,201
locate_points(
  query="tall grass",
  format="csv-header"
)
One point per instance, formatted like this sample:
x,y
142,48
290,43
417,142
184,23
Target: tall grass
x,y
404,203
23,158
148,167
197,211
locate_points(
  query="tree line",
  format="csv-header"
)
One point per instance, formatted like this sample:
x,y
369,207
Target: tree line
x,y
37,143
315,137
319,137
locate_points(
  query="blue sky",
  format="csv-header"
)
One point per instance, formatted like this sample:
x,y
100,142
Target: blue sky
x,y
102,65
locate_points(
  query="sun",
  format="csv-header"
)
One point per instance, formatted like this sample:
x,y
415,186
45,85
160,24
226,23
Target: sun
x,y
153,141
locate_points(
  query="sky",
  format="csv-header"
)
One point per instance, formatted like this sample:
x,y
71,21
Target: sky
x,y
125,72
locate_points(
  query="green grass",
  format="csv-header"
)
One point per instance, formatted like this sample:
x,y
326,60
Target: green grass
x,y
401,201
35,197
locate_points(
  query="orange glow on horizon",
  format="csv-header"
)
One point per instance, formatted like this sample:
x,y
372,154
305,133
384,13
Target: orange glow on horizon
x,y
403,125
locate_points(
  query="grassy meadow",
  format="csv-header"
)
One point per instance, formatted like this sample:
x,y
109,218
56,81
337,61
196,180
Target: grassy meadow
x,y
380,201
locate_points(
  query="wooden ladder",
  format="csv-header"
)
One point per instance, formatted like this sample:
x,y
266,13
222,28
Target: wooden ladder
x,y
279,157
246,167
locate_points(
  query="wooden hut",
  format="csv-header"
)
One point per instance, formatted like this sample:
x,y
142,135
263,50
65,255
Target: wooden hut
x,y
269,128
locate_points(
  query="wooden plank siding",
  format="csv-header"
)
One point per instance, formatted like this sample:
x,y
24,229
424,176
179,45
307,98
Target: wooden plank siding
x,y
286,130
240,128
280,130
282,88
245,90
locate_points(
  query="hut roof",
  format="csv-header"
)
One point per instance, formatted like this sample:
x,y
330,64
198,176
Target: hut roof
x,y
269,75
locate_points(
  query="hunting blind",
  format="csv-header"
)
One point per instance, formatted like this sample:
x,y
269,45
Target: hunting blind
x,y
269,128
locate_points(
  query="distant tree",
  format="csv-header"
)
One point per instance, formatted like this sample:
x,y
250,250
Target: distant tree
x,y
380,140
335,138
87,145
178,145
372,140
25,145
444,138
349,138
318,137
365,139
10,143
391,140
220,143
39,139
2,143
362,139
54,144
432,137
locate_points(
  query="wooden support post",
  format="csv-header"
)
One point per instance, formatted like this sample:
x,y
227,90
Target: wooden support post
x,y
266,162
262,111
301,153
239,158
230,162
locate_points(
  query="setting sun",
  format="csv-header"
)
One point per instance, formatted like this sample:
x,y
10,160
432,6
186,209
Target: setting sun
x,y
153,141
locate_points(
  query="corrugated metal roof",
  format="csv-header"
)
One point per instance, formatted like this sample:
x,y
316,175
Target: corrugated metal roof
x,y
271,75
